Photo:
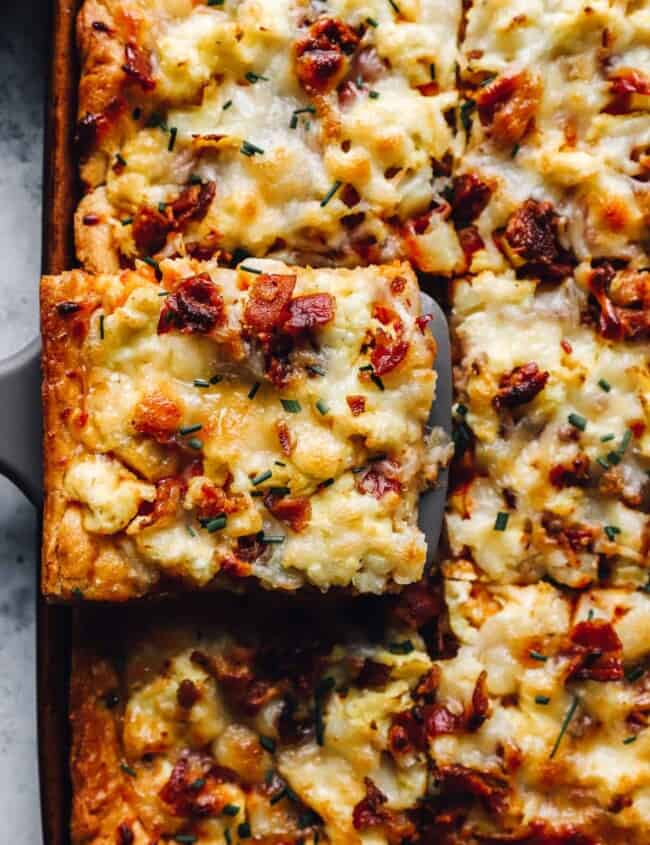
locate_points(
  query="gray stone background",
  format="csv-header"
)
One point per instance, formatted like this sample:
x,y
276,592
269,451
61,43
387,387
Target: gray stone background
x,y
23,59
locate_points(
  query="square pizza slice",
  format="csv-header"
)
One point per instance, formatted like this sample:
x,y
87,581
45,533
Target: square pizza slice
x,y
277,129
203,423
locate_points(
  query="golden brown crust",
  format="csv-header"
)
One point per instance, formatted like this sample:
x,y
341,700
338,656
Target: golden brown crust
x,y
94,240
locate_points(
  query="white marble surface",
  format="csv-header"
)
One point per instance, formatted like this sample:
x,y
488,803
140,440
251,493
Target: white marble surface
x,y
23,51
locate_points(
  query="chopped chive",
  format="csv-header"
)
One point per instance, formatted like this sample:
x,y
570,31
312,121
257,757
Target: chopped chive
x,y
201,382
253,391
163,293
542,699
127,221
367,368
189,429
255,77
215,2
77,593
128,770
278,796
230,810
195,443
191,531
374,95
259,479
536,655
372,22
322,691
246,269
612,531
327,483
280,491
625,440
376,380
136,114
244,830
305,110
120,159
315,369
227,837
466,109
501,521
461,410
405,647
565,724
152,263
634,674
279,463
185,838
216,524
162,207
271,539
216,379
197,784
268,744
173,132
226,105
577,421
614,458
195,180
156,120
101,326
249,149
607,437
604,384
603,462
629,740
395,7
293,123
322,407
328,196
291,406
514,151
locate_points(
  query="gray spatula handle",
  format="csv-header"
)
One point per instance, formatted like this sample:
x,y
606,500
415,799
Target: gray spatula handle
x,y
20,421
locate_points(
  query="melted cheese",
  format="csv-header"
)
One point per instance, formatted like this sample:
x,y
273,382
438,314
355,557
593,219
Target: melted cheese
x,y
352,538
502,323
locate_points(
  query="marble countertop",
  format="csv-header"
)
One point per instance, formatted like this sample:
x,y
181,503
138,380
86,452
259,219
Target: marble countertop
x,y
23,57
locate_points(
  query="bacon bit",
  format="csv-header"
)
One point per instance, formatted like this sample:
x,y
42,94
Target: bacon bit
x,y
91,219
157,416
420,224
440,721
566,346
624,84
295,511
357,404
470,242
216,501
407,732
574,473
195,307
268,306
418,604
93,127
249,548
423,322
579,538
531,233
385,358
125,834
371,812
349,195
519,386
508,106
235,672
150,229
373,674
386,315
428,685
204,249
347,93
320,55
480,706
470,196
309,312
375,482
233,567
137,66
284,436
193,203
596,651
459,783
397,285
169,492
429,89
184,800
624,301
187,694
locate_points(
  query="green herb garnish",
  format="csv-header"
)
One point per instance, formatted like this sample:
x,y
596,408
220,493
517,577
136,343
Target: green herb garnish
x,y
405,647
291,406
374,95
226,105
501,521
189,429
263,476
577,421
322,407
128,770
328,196
216,524
268,744
466,110
244,830
536,655
372,22
195,443
565,724
101,326
201,382
542,699
629,740
253,391
604,384
173,132
246,269
230,810
611,531
152,263
249,149
255,77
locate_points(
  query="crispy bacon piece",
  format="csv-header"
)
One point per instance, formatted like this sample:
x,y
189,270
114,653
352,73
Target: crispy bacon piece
x,y
321,55
596,652
520,385
480,705
150,229
193,203
195,307
180,792
379,479
357,404
235,672
137,66
310,311
459,783
624,84
574,473
284,436
187,694
249,548
470,196
418,604
470,242
440,720
294,510
216,500
624,302
204,249
408,731
169,492
385,357
157,416
531,234
508,106
268,307
373,674
125,834
372,812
